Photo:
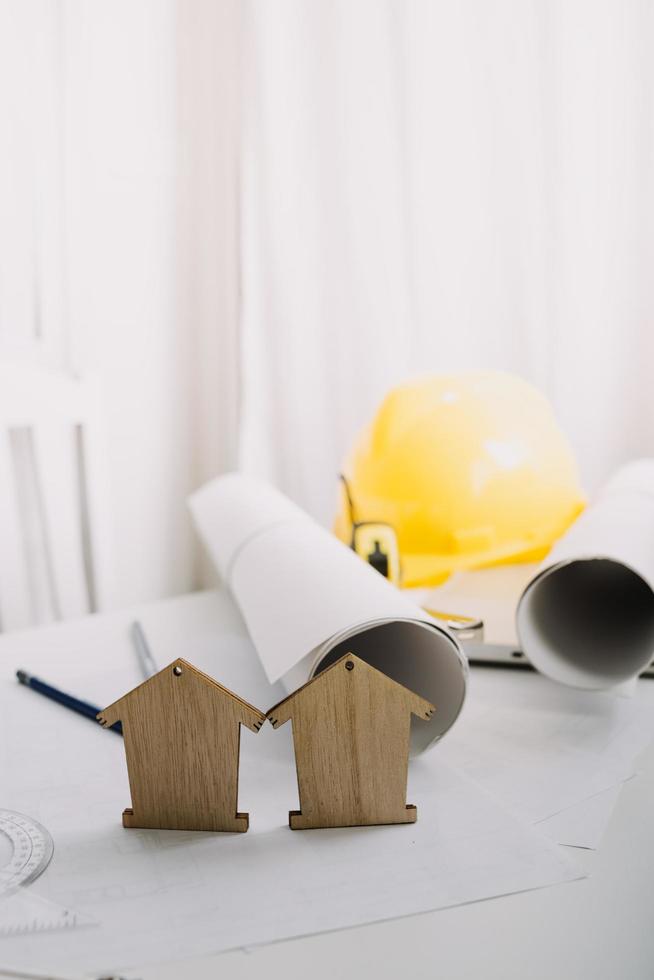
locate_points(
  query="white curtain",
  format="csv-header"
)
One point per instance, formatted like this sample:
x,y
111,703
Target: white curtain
x,y
434,186
248,220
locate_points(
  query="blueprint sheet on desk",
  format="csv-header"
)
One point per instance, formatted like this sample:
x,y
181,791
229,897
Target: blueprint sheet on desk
x,y
163,895
554,754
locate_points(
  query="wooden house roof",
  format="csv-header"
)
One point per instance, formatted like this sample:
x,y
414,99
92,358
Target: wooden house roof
x,y
416,704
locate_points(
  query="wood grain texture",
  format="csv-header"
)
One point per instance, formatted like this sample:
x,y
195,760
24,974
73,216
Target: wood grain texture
x,y
182,736
351,728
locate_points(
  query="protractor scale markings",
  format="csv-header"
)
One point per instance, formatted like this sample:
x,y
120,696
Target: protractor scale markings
x,y
31,849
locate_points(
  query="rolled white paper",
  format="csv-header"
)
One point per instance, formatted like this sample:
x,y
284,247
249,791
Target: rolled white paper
x,y
307,599
587,619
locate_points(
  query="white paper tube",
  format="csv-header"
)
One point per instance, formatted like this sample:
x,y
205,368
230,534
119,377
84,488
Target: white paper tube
x,y
587,619
306,599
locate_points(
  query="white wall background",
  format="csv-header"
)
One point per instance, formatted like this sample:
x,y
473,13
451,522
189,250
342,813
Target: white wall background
x,y
246,221
118,259
121,171
154,100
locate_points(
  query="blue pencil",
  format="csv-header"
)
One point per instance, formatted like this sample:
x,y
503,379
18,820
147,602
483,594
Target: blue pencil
x,y
81,707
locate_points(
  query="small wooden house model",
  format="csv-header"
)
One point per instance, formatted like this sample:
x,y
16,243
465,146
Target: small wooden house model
x,y
182,735
351,726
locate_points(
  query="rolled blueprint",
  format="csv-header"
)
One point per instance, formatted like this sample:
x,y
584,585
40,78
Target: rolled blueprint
x,y
307,599
587,618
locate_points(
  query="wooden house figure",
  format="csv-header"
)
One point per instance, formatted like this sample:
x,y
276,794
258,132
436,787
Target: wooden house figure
x,y
351,726
182,735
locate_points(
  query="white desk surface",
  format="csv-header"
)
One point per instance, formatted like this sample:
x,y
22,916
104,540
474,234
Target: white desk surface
x,y
600,927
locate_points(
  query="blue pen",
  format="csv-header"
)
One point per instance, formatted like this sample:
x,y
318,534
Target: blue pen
x,y
81,707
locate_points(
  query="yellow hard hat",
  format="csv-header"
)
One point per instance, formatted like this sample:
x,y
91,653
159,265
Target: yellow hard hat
x,y
468,470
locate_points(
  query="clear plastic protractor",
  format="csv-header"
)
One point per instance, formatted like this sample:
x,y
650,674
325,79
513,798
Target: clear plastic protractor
x,y
31,849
